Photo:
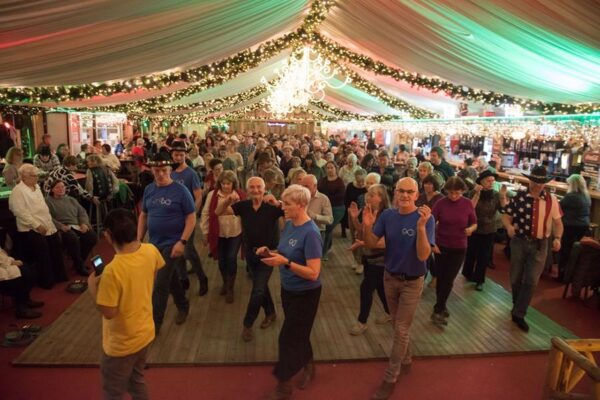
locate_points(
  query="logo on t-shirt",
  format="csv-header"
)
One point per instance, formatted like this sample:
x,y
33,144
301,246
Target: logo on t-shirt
x,y
408,232
293,242
162,201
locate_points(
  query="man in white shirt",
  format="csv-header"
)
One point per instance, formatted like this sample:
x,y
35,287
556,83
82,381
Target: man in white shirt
x,y
34,221
319,208
109,159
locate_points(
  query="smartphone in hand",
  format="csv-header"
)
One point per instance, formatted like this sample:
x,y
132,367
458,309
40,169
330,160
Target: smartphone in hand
x,y
98,265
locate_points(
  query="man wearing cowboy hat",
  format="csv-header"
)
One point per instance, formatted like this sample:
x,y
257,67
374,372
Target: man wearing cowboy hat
x,y
169,214
190,179
530,219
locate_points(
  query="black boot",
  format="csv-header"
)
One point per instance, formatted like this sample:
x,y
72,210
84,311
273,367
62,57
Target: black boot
x,y
224,287
203,286
229,289
307,375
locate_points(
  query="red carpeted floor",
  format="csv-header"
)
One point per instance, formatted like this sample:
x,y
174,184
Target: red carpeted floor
x,y
506,377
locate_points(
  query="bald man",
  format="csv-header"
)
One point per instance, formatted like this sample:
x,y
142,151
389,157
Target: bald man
x,y
260,215
319,208
409,233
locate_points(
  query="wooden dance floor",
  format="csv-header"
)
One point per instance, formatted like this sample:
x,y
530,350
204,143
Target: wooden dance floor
x,y
479,324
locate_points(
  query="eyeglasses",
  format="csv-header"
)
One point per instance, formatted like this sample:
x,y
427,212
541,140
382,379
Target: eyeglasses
x,y
402,191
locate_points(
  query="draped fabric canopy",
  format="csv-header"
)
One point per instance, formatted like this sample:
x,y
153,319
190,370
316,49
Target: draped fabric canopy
x,y
541,50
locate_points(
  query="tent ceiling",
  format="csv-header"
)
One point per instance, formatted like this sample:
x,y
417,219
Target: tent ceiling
x,y
534,49
491,45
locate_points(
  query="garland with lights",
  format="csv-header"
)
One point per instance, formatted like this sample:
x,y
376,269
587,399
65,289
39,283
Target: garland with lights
x,y
347,115
361,83
13,109
202,77
335,51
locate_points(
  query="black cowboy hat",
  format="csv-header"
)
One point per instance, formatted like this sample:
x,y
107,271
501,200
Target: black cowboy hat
x,y
178,145
538,175
161,159
484,174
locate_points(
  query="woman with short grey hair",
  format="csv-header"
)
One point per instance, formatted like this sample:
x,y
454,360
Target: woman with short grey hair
x,y
298,257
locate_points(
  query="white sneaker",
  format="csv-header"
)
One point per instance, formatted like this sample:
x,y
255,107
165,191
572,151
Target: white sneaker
x,y
359,269
358,329
353,266
384,319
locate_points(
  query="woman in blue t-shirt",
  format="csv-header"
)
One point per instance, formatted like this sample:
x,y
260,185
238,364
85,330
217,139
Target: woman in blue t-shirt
x,y
299,257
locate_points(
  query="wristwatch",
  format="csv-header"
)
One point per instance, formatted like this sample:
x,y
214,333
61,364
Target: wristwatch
x,y
183,241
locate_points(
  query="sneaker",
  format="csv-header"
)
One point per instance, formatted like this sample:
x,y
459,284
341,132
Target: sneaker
x,y
384,319
479,287
247,334
358,329
359,269
181,317
438,319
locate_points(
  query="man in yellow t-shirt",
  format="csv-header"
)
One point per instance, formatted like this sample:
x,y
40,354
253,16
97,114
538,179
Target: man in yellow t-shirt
x,y
123,295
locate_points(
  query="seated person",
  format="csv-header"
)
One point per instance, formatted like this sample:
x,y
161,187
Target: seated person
x,y
37,229
14,283
14,159
65,173
100,180
45,160
109,159
73,225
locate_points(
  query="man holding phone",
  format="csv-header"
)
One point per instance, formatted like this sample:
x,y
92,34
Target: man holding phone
x,y
123,295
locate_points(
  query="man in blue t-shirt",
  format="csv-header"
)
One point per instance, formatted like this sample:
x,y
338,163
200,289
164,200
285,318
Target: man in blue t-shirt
x,y
169,214
190,179
409,233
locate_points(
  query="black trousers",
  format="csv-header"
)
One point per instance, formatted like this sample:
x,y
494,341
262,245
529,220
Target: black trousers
x,y
447,266
571,235
373,280
477,259
48,258
18,289
78,245
295,350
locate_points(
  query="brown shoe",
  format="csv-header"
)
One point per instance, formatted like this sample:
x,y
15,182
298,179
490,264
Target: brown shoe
x,y
247,334
181,317
268,321
283,391
307,375
384,391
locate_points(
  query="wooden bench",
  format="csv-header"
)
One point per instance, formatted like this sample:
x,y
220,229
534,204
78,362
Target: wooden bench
x,y
570,361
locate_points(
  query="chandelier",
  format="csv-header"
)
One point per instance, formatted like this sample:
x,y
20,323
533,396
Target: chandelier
x,y
300,80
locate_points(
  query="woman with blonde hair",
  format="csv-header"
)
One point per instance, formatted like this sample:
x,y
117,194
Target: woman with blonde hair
x,y
223,233
576,207
372,258
14,159
298,257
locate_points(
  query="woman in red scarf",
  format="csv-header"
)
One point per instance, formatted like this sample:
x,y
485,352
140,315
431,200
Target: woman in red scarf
x,y
223,233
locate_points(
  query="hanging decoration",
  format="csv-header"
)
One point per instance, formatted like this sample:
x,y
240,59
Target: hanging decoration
x,y
302,78
201,78
335,51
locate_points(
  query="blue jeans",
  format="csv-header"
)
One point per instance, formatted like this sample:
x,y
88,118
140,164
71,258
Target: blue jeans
x,y
338,214
191,254
527,259
227,251
167,281
260,295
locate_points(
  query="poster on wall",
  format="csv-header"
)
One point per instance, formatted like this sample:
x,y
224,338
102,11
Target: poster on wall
x,y
74,133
